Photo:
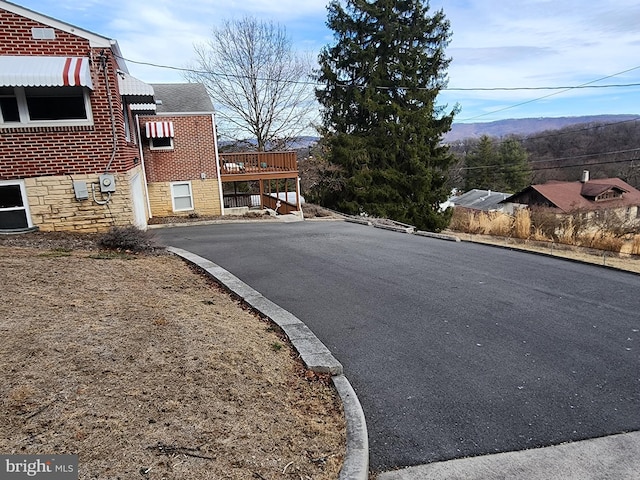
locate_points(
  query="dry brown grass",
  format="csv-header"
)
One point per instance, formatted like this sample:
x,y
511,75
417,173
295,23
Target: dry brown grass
x,y
522,223
542,226
635,245
138,362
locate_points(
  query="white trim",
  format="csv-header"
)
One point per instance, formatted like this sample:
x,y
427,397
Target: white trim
x,y
25,201
153,147
144,168
173,196
182,114
217,156
138,200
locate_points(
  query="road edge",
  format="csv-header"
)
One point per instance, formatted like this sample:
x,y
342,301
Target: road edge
x,y
313,353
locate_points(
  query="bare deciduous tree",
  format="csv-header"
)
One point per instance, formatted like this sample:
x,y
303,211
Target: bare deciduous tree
x,y
258,83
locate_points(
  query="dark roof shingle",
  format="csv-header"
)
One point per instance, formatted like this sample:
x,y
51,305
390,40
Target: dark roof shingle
x,y
182,98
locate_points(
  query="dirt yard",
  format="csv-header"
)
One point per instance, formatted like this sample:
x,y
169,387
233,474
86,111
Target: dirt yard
x,y
146,369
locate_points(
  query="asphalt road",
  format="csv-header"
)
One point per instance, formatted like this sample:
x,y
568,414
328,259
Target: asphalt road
x,y
454,349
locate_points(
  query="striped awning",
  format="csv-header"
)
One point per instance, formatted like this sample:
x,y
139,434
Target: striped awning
x,y
27,71
159,129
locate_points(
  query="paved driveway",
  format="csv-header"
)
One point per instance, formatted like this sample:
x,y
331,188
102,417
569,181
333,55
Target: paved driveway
x,y
454,349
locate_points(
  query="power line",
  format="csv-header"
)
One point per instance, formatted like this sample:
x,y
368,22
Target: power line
x,y
448,89
470,89
574,157
552,94
511,89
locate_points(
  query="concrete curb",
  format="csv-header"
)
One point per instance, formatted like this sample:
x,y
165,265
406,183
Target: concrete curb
x,y
551,255
313,353
441,236
394,228
360,221
356,461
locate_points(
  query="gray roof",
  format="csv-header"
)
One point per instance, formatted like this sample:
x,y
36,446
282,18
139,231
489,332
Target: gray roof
x,y
182,98
480,200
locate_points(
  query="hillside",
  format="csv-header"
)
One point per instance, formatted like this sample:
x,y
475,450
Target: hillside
x,y
499,128
525,126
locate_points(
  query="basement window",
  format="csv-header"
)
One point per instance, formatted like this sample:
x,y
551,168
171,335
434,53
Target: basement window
x,y
181,196
14,209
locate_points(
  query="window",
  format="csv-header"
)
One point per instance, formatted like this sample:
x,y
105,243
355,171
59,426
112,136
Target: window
x,y
50,105
608,195
181,196
14,210
8,105
161,143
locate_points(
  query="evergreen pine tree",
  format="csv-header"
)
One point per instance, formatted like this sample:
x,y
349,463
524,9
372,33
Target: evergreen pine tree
x,y
480,163
380,117
516,171
503,167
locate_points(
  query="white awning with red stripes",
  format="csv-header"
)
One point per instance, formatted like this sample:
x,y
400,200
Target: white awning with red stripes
x,y
159,129
40,71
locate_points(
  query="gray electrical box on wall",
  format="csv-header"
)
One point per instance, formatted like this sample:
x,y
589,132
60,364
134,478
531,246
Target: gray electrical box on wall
x,y
81,191
107,183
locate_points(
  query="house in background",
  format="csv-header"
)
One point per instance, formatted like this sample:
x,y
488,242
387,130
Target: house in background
x,y
179,152
85,146
484,200
594,199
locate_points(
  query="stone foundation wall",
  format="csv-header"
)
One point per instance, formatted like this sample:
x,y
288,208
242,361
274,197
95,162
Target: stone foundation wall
x,y
205,193
53,205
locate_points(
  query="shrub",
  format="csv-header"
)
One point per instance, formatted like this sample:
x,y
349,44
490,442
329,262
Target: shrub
x,y
545,223
130,239
314,211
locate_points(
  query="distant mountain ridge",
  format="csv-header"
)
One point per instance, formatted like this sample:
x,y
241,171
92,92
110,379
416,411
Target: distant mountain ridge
x,y
499,128
526,126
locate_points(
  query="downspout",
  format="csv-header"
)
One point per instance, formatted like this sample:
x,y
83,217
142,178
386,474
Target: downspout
x,y
215,148
144,169
103,59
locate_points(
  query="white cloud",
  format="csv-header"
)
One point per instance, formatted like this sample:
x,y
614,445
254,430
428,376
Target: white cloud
x,y
495,43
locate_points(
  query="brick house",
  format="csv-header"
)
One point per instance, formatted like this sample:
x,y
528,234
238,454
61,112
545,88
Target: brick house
x,y
179,152
85,146
66,162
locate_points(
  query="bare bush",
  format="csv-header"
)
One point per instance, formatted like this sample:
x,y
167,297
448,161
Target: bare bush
x,y
129,239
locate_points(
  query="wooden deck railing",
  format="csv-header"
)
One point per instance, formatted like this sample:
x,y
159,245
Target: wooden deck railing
x,y
257,162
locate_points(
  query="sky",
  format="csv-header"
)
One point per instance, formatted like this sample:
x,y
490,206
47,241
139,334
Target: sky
x,y
504,54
